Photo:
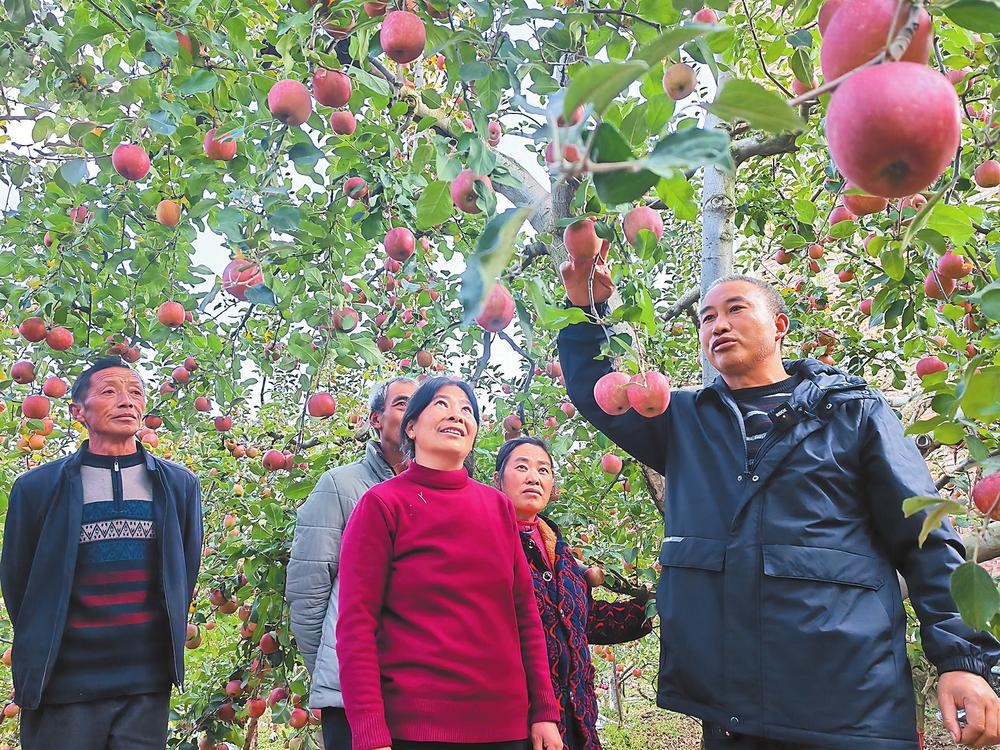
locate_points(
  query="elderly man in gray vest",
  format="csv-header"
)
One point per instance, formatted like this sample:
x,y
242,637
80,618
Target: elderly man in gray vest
x,y
312,584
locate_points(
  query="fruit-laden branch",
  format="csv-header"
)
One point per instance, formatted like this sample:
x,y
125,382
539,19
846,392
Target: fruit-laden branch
x,y
530,193
656,485
746,148
687,299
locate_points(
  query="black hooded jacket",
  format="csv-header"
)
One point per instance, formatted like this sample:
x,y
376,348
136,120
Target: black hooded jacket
x,y
780,608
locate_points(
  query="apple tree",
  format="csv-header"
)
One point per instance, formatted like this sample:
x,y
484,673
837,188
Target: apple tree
x,y
269,207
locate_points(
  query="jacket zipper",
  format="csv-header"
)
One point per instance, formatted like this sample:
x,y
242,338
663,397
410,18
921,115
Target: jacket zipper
x,y
163,588
116,488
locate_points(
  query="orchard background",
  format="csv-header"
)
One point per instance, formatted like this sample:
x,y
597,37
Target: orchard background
x,y
94,245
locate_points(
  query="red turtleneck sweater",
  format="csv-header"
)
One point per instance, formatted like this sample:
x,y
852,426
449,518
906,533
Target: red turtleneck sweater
x,y
438,633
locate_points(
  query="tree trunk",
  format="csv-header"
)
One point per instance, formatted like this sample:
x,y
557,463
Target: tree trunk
x,y
718,211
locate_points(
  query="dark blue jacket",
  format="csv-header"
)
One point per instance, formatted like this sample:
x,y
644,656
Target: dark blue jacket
x,y
40,542
572,620
780,608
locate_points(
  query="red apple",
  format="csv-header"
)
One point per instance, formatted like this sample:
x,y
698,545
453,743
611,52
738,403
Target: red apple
x,y
289,101
893,128
256,707
152,421
171,314
239,275
575,118
299,717
986,495
321,405
953,266
841,213
567,408
938,287
987,174
202,403
343,123
929,365
55,387
168,212
181,375
495,132
581,240
679,81
826,14
706,15
399,244
861,205
611,464
59,338
269,643
33,329
223,424
857,34
611,394
190,363
226,712
498,310
130,161
782,258
594,575
463,191
331,87
274,460
35,407
402,36
649,393
642,217
866,306
23,371
277,695
356,188
222,149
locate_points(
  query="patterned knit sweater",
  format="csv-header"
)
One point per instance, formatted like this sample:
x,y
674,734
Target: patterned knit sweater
x,y
116,640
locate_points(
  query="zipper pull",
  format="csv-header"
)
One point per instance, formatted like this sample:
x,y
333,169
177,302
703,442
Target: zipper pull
x,y
116,466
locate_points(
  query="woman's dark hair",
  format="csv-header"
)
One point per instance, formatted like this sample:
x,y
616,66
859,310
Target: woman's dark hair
x,y
503,455
422,398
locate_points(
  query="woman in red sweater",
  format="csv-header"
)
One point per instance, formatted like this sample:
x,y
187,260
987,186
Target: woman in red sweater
x,y
439,640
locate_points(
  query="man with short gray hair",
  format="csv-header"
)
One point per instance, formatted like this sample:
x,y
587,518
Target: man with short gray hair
x,y
312,583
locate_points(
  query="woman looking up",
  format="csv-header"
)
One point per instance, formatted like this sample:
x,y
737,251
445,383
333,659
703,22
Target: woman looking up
x,y
440,643
571,617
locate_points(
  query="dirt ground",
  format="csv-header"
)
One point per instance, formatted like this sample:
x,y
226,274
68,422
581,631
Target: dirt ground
x,y
648,728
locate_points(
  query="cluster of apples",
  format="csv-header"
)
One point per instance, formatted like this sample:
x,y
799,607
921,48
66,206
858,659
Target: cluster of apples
x,y
894,127
647,392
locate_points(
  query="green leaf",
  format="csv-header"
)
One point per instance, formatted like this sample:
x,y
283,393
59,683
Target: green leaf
x,y
976,595
434,206
493,251
976,15
746,100
379,85
42,129
892,262
936,516
599,84
988,300
284,218
164,42
200,82
949,433
161,122
305,154
474,71
980,399
672,40
261,295
916,504
19,12
952,222
678,195
74,171
621,186
690,147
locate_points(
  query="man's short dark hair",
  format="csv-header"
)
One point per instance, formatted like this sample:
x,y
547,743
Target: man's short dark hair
x,y
81,387
376,404
775,302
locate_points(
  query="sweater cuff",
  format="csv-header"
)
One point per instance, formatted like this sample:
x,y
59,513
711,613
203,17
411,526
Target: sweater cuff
x,y
973,664
369,731
543,712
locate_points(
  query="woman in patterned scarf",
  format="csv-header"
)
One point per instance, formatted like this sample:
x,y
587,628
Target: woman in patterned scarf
x,y
571,617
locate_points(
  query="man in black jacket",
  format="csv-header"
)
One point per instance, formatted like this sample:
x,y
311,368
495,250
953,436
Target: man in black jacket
x,y
100,556
783,623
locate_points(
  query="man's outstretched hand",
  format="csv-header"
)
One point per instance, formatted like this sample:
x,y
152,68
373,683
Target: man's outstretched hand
x,y
982,709
576,278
